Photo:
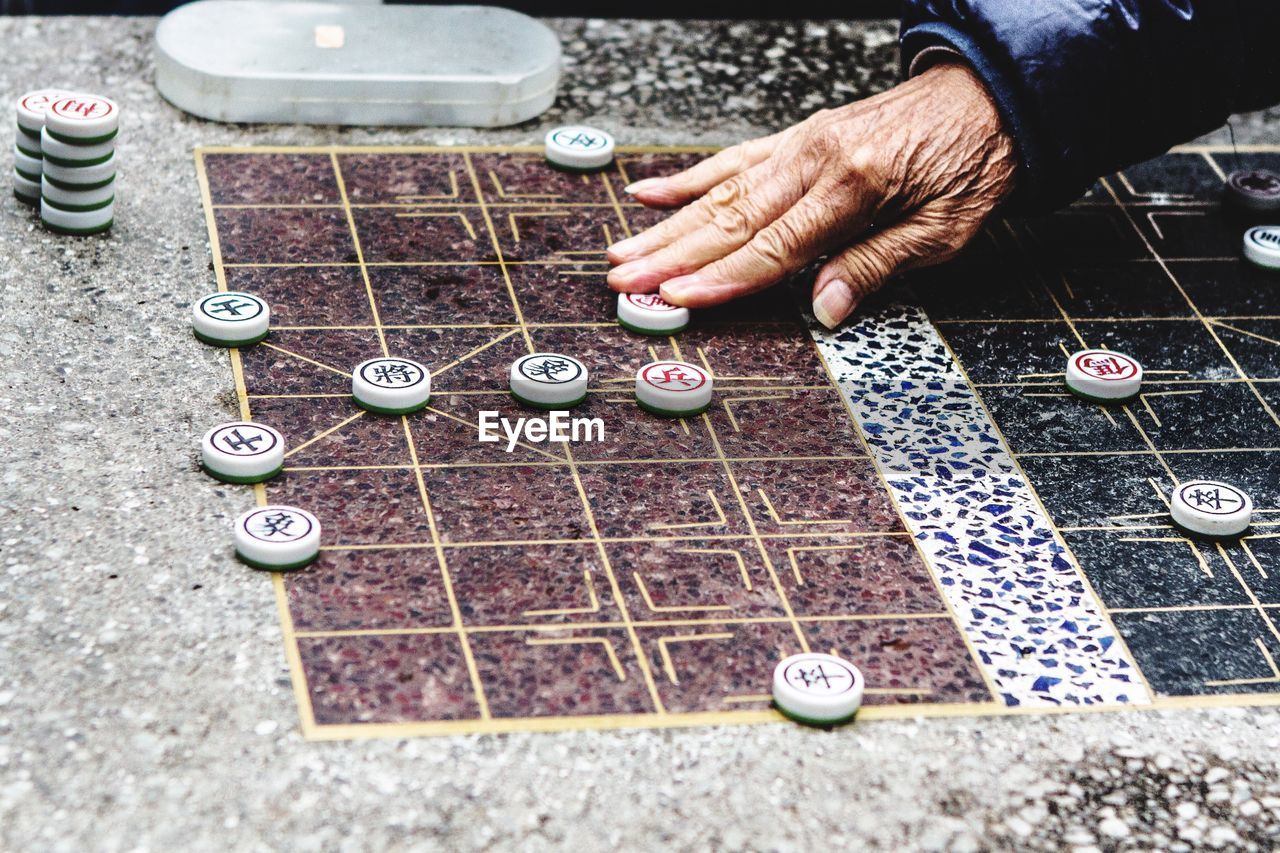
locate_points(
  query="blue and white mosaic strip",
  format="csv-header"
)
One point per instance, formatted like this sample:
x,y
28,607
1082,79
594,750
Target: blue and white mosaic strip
x,y
1017,592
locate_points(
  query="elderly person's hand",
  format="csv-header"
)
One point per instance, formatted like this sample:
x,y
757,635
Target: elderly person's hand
x,y
903,179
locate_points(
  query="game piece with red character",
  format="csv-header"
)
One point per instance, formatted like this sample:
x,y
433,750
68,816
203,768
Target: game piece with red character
x,y
673,389
1103,376
650,314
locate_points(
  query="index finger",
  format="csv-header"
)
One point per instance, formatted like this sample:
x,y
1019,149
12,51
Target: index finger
x,y
683,187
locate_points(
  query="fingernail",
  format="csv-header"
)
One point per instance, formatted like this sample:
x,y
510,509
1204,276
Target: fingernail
x,y
673,293
833,303
623,248
638,186
630,273
677,290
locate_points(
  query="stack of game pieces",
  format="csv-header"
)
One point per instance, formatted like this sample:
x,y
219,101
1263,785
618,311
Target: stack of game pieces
x,y
78,141
28,160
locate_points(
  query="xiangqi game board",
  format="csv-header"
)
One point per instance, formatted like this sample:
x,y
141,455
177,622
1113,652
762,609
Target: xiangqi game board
x,y
916,492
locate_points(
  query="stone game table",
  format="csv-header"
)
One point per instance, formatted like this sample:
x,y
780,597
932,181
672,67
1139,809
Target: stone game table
x,y
145,699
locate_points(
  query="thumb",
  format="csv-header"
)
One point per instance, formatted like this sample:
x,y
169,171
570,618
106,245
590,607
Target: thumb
x,y
844,281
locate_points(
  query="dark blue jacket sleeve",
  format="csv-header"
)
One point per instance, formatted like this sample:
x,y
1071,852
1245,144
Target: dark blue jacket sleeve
x,y
1089,86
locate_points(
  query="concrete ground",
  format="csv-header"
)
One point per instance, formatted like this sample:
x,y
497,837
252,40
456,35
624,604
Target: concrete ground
x,y
144,696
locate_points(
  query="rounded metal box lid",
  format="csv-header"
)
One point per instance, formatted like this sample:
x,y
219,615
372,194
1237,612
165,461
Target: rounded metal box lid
x,y
325,63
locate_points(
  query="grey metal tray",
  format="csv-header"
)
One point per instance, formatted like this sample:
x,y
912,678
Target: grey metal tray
x,y
328,63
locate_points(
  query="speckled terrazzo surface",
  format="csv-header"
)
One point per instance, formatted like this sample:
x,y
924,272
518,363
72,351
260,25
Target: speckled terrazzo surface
x,y
144,701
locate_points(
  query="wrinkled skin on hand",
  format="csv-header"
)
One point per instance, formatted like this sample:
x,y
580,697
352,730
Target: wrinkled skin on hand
x,y
900,180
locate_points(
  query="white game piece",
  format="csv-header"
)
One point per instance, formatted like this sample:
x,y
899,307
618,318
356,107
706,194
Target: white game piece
x,y
28,147
1210,508
29,167
76,199
82,119
673,389
548,380
1103,376
78,177
242,452
230,319
579,148
77,223
26,191
277,538
650,314
74,156
817,689
1262,246
391,386
31,107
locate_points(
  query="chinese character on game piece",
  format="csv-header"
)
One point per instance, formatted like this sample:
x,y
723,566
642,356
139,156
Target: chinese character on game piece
x,y
231,307
548,369
392,373
277,524
238,442
1213,499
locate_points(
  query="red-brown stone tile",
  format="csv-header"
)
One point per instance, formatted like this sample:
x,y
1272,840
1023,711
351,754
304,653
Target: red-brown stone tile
x,y
717,667
503,503
629,167
369,589
442,295
307,296
387,678
564,293
854,576
547,233
683,579
839,496
560,673
531,584
755,355
692,499
423,235
776,424
641,219
284,235
407,179
611,353
271,179
307,361
632,433
368,440
526,179
461,359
